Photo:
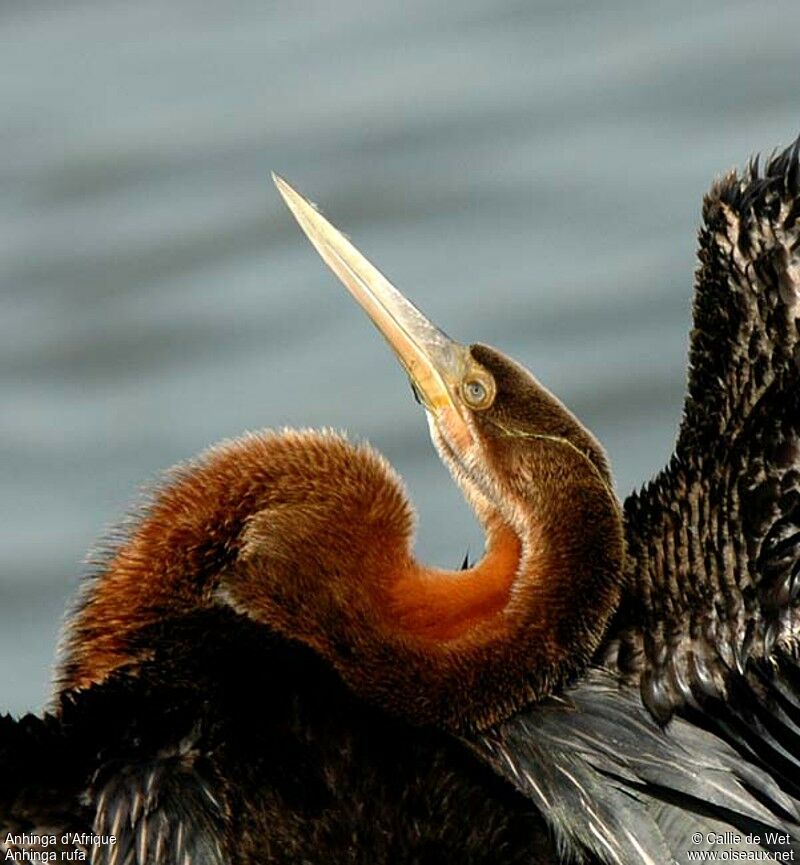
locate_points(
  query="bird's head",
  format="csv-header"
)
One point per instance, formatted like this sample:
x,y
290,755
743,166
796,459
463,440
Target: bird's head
x,y
312,536
486,413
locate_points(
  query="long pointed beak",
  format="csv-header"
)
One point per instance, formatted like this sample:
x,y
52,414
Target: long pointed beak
x,y
434,362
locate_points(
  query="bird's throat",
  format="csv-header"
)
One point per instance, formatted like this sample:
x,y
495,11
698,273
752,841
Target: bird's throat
x,y
442,605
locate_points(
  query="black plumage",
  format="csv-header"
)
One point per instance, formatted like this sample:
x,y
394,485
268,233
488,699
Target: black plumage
x,y
226,741
203,758
710,625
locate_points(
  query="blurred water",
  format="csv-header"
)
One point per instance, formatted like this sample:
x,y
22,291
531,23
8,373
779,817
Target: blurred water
x,y
529,172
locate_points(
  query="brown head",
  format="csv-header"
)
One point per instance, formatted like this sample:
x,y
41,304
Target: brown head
x,y
312,537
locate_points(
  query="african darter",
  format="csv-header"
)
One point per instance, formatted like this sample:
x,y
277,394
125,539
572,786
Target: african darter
x,y
261,671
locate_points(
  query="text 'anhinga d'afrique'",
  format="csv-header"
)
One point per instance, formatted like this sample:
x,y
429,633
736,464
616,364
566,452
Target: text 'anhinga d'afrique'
x,y
261,671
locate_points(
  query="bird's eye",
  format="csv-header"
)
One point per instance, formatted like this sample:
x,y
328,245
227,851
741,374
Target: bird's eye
x,y
477,393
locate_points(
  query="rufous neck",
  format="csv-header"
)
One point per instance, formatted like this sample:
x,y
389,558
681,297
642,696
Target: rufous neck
x,y
441,605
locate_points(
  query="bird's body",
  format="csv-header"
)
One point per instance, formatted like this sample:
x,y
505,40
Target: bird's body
x,y
205,758
260,671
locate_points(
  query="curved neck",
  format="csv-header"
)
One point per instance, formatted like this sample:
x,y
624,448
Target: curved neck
x,y
311,536
461,649
484,641
442,605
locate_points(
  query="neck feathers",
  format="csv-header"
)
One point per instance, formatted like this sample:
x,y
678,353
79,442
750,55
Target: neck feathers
x,y
311,536
199,526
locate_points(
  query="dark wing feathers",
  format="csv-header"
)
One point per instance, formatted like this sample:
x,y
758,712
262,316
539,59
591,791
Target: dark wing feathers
x,y
40,787
102,769
744,338
617,785
714,540
161,812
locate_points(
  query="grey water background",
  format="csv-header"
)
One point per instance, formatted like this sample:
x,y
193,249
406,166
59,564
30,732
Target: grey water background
x,y
530,173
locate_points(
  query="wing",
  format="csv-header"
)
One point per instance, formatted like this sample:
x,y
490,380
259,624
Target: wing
x,y
40,790
151,789
107,767
618,787
710,623
159,812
